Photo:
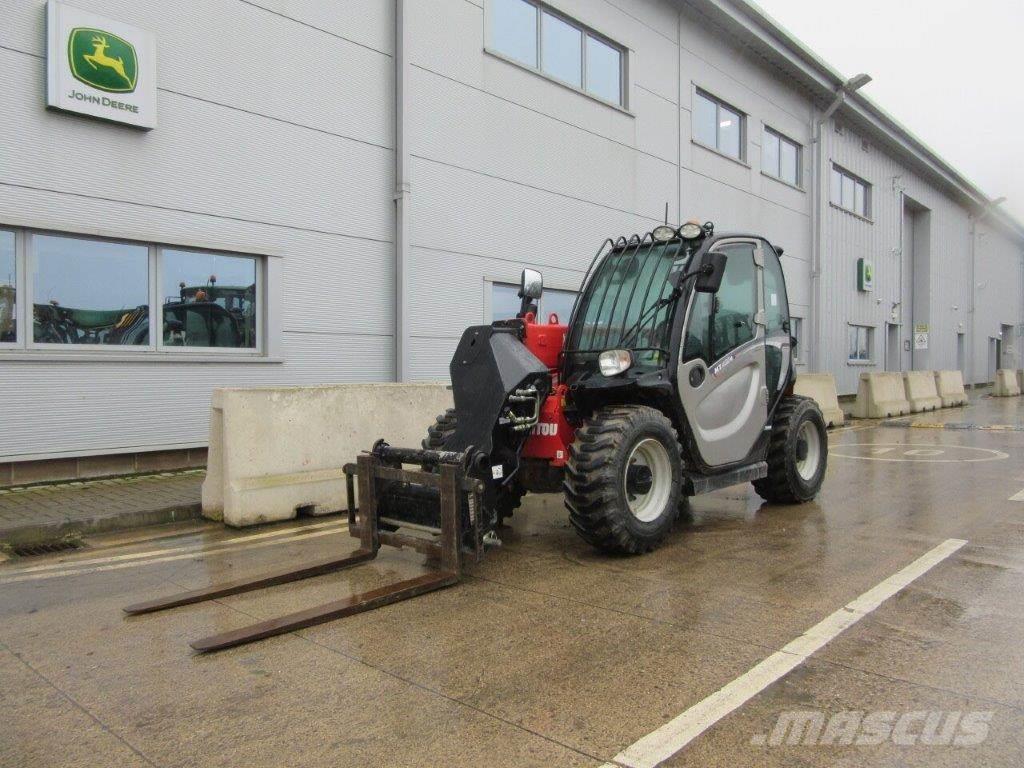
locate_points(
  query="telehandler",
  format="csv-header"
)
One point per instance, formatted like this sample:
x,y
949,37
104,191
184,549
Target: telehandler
x,y
673,377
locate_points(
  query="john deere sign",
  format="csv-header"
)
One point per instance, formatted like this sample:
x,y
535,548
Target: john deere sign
x,y
103,60
865,275
100,67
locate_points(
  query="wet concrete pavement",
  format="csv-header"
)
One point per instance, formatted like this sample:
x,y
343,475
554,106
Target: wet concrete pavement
x,y
549,653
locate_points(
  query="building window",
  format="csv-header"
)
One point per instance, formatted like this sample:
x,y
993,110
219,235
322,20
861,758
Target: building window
x,y
861,339
209,300
89,292
796,330
8,289
719,126
93,292
505,303
850,192
540,38
782,158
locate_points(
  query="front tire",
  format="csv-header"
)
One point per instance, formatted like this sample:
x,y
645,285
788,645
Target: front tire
x,y
797,453
509,497
623,480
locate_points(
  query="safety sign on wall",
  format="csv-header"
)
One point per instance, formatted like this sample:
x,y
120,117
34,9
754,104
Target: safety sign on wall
x,y
921,336
100,67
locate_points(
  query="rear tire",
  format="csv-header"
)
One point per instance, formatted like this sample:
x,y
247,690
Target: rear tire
x,y
623,479
797,453
509,497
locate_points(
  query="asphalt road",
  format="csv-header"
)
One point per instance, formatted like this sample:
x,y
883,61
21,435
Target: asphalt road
x,y
880,625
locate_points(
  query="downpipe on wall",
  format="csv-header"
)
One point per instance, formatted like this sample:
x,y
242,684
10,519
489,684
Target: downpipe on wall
x,y
403,195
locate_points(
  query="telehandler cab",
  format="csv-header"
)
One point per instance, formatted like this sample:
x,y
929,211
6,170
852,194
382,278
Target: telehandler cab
x,y
673,377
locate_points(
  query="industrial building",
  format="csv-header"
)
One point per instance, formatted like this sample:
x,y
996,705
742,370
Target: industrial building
x,y
255,192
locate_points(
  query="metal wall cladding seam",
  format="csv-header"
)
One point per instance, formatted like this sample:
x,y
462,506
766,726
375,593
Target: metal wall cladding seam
x,y
247,154
367,23
268,64
848,237
57,407
238,165
999,291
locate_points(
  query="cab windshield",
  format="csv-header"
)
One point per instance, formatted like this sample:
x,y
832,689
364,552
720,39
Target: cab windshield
x,y
626,303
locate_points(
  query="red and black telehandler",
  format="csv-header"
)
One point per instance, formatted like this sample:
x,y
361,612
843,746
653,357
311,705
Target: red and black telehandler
x,y
673,377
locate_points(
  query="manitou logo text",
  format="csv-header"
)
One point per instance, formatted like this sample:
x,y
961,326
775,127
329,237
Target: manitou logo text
x,y
103,60
545,429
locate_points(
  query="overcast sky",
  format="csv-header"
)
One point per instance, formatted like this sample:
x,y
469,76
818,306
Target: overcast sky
x,y
950,71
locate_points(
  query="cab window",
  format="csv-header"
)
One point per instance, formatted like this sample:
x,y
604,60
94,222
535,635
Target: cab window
x,y
721,322
776,303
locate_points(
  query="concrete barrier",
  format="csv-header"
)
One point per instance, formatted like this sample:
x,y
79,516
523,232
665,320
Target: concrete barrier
x,y
1020,380
921,391
275,450
1006,383
950,386
821,388
880,395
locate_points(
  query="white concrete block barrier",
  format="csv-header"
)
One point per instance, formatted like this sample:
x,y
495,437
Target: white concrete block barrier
x,y
950,386
1006,384
880,396
274,450
922,394
821,388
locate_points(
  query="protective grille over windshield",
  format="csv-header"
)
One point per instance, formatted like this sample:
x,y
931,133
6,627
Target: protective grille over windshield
x,y
625,305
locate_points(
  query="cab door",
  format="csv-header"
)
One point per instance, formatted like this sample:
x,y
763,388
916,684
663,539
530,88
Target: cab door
x,y
722,371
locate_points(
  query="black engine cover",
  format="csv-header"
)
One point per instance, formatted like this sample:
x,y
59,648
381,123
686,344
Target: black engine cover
x,y
489,363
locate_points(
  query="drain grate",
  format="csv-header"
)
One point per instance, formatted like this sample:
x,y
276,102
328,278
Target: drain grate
x,y
47,548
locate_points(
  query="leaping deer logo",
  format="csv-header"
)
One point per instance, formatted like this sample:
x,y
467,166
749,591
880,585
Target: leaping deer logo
x,y
102,60
98,58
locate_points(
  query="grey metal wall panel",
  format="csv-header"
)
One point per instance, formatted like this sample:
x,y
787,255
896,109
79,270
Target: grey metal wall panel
x,y
268,65
102,407
508,169
249,153
848,237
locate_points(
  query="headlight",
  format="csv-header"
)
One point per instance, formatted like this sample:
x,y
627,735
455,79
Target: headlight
x,y
614,361
690,231
663,233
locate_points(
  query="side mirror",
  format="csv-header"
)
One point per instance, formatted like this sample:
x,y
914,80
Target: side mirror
x,y
710,278
531,284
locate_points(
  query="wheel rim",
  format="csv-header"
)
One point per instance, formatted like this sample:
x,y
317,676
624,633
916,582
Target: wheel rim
x,y
648,480
808,451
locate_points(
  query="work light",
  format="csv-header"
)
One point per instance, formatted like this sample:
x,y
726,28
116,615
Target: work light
x,y
663,233
691,230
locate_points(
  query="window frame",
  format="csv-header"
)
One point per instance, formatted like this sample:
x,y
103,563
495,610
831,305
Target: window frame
x,y
268,343
797,322
491,282
586,32
719,103
260,313
19,290
870,343
47,346
845,175
757,316
783,138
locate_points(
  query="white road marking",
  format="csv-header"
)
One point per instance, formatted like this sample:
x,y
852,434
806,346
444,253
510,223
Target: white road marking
x,y
1017,496
73,571
236,541
670,738
909,455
